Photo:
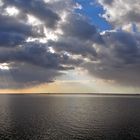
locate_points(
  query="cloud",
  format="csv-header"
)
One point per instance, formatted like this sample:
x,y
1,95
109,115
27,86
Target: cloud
x,y
37,54
24,75
21,48
32,64
118,59
36,8
108,2
11,39
46,38
14,32
128,12
79,28
78,36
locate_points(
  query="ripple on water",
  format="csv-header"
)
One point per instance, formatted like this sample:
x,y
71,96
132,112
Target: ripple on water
x,y
24,117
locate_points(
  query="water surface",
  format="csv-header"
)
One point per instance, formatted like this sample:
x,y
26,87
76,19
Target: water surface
x,y
43,117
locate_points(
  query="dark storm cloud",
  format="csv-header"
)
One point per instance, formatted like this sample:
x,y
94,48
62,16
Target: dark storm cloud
x,y
118,59
11,39
75,47
14,32
24,75
32,64
36,8
11,24
79,28
109,2
133,16
78,37
23,57
37,54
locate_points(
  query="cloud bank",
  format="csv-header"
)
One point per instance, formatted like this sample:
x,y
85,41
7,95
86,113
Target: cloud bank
x,y
40,40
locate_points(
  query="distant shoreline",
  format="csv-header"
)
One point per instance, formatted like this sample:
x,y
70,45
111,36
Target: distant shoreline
x,y
75,94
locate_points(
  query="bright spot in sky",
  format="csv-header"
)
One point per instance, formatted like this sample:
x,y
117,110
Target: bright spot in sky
x,y
50,1
4,66
50,35
46,1
78,6
12,11
51,50
33,20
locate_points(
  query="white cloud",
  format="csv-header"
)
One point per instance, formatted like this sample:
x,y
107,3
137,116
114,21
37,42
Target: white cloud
x,y
12,11
4,66
121,12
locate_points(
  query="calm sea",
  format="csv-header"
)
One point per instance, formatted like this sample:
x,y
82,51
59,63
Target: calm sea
x,y
70,117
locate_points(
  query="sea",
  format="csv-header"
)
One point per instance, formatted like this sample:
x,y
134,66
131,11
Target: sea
x,y
69,117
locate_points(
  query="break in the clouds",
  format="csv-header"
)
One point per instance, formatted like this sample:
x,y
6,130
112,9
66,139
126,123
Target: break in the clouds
x,y
42,39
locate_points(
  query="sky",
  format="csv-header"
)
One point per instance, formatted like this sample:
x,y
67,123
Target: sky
x,y
69,46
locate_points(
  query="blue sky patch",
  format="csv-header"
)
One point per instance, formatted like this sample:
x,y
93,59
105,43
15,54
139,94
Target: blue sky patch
x,y
93,10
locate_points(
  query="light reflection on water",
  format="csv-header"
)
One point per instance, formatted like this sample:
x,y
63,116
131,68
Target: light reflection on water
x,y
40,117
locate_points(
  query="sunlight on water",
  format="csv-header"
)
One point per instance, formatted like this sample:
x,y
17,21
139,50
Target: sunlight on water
x,y
42,117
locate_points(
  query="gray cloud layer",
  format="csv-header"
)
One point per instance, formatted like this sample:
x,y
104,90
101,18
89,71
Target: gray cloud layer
x,y
36,8
118,58
112,55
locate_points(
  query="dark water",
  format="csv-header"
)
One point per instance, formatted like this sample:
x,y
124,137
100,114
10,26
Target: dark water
x,y
42,117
